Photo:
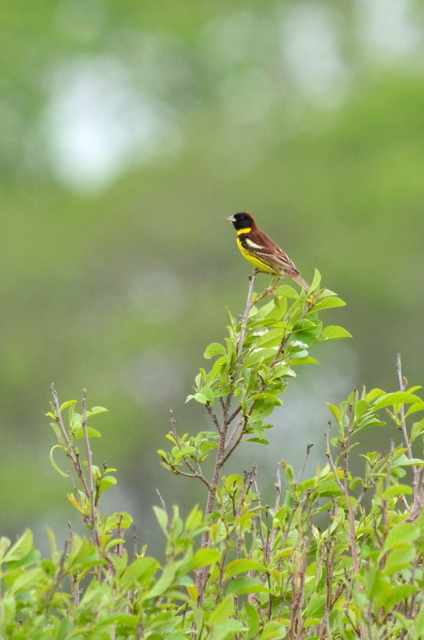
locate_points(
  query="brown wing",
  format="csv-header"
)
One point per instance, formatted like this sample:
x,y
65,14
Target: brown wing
x,y
266,248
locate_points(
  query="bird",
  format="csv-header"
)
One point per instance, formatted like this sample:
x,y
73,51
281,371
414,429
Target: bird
x,y
261,250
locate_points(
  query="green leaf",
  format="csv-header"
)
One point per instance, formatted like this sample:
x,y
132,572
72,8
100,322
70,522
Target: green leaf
x,y
223,611
204,396
271,338
404,461
419,406
400,592
120,619
21,548
54,465
333,333
205,557
389,399
259,355
253,619
92,433
361,407
246,585
335,410
242,566
330,303
208,393
419,622
374,393
287,291
417,429
307,360
273,631
214,349
162,518
268,397
96,410
106,483
164,582
316,281
141,571
397,490
228,629
9,610
399,559
67,404
401,534
27,580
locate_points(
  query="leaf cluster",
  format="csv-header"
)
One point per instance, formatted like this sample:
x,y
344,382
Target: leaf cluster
x,y
337,556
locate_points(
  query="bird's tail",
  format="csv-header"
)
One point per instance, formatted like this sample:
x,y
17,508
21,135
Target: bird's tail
x,y
302,282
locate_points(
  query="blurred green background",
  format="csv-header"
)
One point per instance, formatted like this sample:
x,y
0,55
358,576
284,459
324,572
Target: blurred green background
x,y
128,132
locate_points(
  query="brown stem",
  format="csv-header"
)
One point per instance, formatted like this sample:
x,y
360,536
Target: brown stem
x,y
96,536
416,472
245,316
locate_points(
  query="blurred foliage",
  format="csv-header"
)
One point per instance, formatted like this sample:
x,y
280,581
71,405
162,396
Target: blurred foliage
x,y
127,135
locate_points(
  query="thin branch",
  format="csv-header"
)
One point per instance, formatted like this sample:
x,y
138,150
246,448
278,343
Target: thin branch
x,y
58,413
402,410
245,316
162,501
344,490
194,474
277,486
71,451
237,442
96,536
73,578
134,537
234,414
119,547
416,471
199,476
214,417
233,433
305,460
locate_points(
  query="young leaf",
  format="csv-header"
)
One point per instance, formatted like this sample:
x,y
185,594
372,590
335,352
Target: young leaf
x,y
21,548
333,333
214,349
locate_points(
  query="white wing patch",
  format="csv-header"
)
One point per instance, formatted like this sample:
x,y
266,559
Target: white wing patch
x,y
253,244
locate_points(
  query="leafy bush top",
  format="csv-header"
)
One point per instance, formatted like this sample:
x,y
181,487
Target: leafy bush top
x,y
336,556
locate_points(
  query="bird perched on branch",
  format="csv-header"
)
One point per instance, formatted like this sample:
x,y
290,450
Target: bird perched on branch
x,y
265,254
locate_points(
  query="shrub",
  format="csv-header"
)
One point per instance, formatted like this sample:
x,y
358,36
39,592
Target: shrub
x,y
336,556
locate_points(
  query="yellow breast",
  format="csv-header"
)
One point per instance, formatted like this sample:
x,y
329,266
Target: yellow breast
x,y
257,261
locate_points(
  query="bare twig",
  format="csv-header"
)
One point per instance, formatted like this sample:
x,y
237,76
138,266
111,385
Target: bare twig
x,y
96,536
119,546
305,460
245,316
59,420
73,578
214,417
277,486
416,471
402,410
134,537
234,414
162,501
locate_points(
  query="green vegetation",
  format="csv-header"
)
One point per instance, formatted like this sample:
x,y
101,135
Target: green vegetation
x,y
336,556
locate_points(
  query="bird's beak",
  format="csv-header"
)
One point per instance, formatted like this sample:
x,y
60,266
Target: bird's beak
x,y
231,219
